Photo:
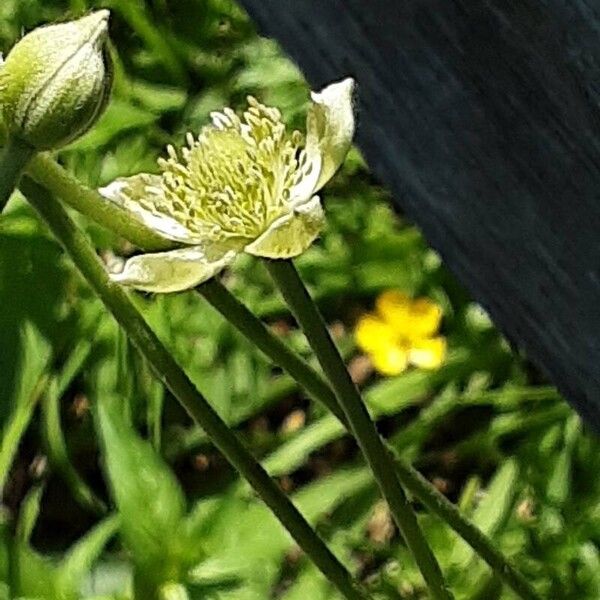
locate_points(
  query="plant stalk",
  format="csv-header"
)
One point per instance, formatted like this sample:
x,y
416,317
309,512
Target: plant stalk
x,y
256,332
81,198
49,174
165,367
13,159
309,318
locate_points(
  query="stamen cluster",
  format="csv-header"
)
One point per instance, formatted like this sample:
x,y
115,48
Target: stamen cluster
x,y
235,178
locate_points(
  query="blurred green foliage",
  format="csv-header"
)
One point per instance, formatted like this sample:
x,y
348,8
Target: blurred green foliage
x,y
109,491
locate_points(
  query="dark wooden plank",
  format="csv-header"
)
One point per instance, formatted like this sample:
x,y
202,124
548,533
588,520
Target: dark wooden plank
x,y
482,118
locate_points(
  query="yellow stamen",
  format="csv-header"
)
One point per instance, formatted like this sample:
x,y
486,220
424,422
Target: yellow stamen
x,y
235,178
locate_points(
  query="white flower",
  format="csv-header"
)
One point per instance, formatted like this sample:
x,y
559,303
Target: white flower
x,y
244,185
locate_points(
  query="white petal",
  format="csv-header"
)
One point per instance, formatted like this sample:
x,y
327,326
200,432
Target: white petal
x,y
291,234
175,270
329,131
127,193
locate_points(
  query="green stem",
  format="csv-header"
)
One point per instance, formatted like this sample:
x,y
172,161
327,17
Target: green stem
x,y
45,170
257,333
165,367
85,200
438,504
13,160
313,382
58,456
309,318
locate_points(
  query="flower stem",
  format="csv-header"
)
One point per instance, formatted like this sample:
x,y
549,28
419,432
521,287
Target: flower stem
x,y
82,198
48,173
438,504
255,331
165,367
309,318
13,159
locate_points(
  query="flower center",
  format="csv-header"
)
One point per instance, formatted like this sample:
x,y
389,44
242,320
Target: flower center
x,y
236,178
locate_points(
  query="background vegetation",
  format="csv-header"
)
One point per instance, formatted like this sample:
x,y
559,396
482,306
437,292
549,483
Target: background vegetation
x,y
106,486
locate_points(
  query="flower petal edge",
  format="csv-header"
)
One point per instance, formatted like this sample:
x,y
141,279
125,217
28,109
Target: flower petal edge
x,y
175,270
330,128
291,234
126,192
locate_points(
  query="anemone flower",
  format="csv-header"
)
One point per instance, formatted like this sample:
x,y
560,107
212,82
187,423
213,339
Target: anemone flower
x,y
245,184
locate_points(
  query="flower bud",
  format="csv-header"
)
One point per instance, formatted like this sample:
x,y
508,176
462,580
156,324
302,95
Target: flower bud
x,y
55,81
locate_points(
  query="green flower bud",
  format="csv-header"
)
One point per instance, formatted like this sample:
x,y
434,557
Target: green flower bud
x,y
56,81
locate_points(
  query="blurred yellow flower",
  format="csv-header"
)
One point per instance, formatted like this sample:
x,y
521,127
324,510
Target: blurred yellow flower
x,y
401,332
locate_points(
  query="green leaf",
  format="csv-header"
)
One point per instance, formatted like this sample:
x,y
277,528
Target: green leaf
x,y
35,356
212,576
384,398
559,483
496,504
28,514
58,455
27,318
244,539
157,98
292,454
324,495
55,443
493,510
310,585
33,576
77,563
173,591
148,497
5,542
120,116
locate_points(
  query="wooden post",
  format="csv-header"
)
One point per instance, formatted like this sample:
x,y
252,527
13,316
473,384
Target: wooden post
x,y
482,118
